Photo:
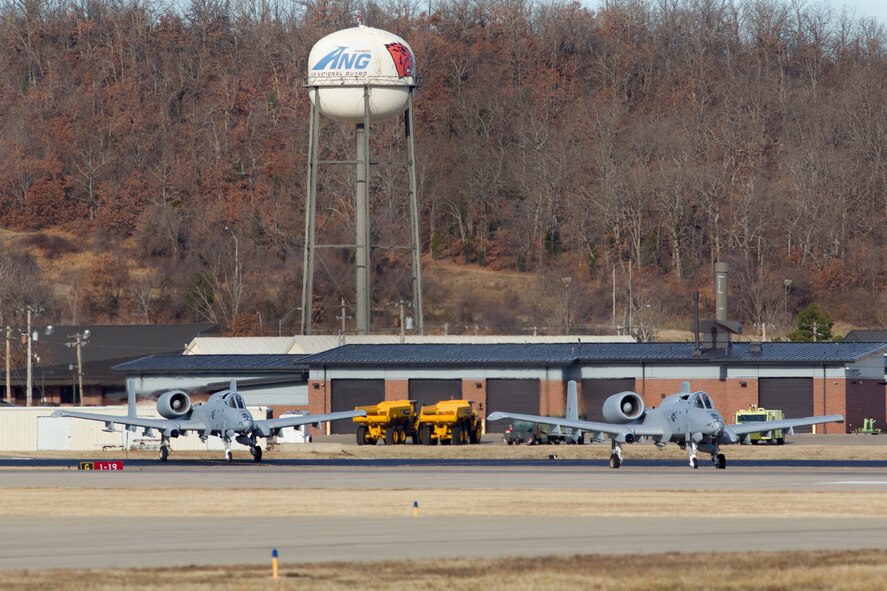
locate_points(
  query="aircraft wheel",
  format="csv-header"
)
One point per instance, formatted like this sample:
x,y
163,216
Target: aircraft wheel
x,y
722,462
694,464
164,453
615,462
780,441
257,454
229,457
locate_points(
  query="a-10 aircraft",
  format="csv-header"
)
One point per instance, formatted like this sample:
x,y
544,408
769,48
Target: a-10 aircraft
x,y
686,418
224,415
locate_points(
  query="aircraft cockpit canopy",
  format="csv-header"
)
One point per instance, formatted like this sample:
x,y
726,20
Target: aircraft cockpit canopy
x,y
701,400
234,401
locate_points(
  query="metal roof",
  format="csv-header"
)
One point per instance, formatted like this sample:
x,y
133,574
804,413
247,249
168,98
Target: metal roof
x,y
866,336
566,354
214,363
239,346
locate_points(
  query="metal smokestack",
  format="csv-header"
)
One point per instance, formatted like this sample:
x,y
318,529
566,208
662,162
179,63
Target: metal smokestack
x,y
721,291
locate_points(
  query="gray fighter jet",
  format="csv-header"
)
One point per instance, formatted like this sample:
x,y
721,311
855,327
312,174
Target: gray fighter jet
x,y
223,415
686,418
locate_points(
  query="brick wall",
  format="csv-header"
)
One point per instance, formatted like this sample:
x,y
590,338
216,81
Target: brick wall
x,y
830,397
397,389
552,397
475,391
319,401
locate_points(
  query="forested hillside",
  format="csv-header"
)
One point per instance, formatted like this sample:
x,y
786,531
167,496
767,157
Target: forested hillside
x,y
153,161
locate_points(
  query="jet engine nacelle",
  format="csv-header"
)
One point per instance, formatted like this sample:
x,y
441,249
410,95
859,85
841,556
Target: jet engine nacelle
x,y
623,407
174,404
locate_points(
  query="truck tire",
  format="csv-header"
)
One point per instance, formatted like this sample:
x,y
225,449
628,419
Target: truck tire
x,y
475,434
425,435
457,434
400,435
390,435
361,435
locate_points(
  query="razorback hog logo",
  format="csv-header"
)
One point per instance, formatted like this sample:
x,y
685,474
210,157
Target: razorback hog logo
x,y
403,59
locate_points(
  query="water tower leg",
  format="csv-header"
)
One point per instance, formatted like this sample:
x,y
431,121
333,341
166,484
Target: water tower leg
x,y
416,244
310,211
362,222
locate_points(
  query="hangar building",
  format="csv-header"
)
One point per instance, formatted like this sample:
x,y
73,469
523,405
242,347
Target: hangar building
x,y
802,379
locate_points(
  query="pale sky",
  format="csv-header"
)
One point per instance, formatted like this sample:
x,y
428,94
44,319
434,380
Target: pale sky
x,y
864,8
861,8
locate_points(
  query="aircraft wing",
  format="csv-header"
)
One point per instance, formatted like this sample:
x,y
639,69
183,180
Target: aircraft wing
x,y
146,423
619,431
765,426
271,424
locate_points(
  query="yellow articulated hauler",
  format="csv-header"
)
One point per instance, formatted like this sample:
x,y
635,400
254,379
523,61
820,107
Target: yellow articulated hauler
x,y
392,421
449,422
754,414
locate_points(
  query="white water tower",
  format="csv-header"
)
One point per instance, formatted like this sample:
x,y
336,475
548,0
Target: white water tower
x,y
360,76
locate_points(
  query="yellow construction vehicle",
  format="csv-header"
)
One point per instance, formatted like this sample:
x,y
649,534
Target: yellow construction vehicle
x,y
393,421
449,422
755,414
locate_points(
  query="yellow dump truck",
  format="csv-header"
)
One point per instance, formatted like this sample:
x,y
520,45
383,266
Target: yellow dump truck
x,y
449,422
392,421
755,414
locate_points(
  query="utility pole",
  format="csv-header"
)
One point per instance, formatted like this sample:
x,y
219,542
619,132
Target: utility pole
x,y
30,382
8,371
80,339
401,322
343,318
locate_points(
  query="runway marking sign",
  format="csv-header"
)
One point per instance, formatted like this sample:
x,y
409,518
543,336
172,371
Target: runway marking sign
x,y
102,466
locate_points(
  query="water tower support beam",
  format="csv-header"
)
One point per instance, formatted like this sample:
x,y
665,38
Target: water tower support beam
x,y
414,217
362,221
310,210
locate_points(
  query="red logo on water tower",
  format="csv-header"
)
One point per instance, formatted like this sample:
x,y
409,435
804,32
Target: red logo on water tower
x,y
403,59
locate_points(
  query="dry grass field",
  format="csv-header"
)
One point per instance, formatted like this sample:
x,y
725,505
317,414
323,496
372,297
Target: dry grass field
x,y
812,571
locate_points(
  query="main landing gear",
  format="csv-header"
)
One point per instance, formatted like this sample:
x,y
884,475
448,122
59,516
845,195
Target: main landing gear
x,y
256,452
717,458
615,455
164,448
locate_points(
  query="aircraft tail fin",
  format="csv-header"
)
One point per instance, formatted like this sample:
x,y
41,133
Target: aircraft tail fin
x,y
232,385
572,401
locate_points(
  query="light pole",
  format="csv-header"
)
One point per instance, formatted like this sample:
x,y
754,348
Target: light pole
x,y
8,369
80,339
566,281
236,292
786,283
343,318
281,319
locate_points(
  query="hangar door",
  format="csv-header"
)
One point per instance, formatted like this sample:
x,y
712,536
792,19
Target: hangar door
x,y
346,394
594,392
426,392
518,396
793,396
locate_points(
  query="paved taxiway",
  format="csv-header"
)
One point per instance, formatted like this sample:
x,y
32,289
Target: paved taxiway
x,y
476,475
96,542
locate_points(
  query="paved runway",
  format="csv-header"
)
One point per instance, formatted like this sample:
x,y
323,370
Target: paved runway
x,y
29,543
96,542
